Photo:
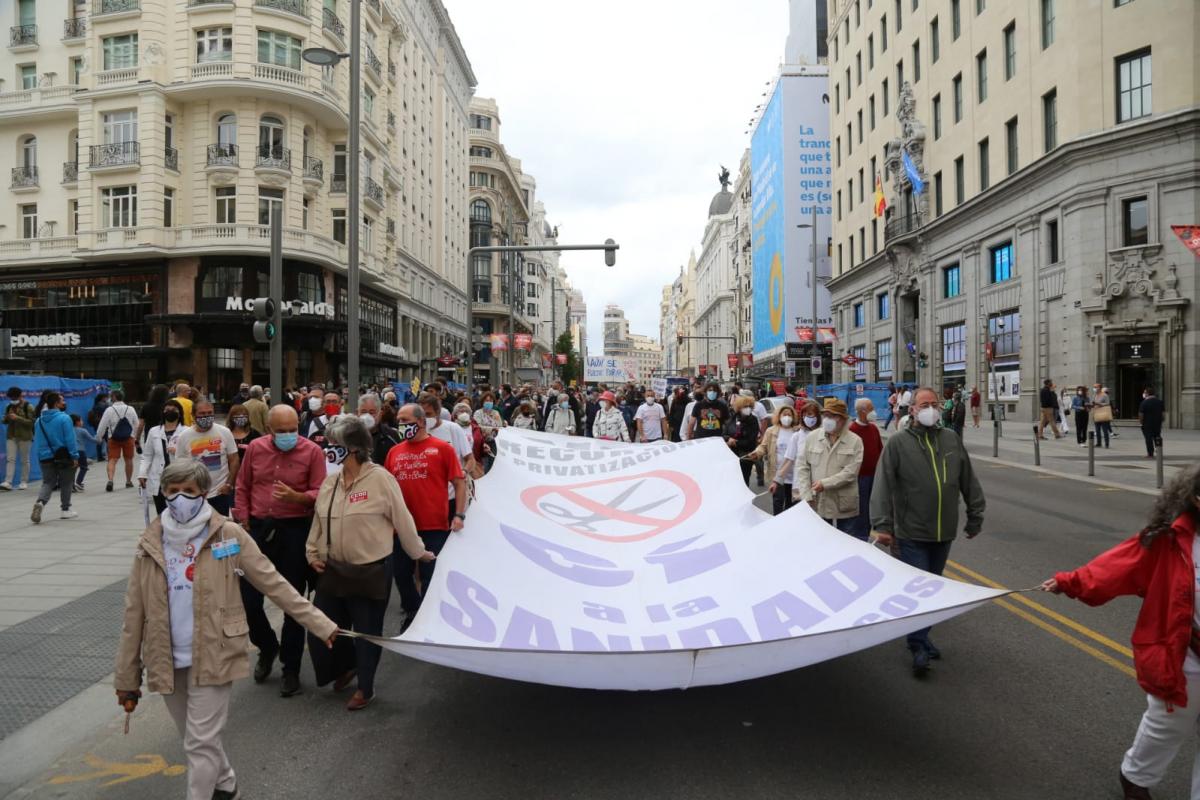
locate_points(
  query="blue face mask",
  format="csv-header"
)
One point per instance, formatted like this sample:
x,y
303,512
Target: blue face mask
x,y
285,441
711,395
487,405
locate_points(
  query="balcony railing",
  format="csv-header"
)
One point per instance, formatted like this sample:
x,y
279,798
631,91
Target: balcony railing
x,y
70,171
337,184
194,3
75,28
270,72
116,154
373,62
116,6
171,158
22,35
900,226
297,7
222,155
331,23
373,191
111,77
212,70
273,157
314,168
24,177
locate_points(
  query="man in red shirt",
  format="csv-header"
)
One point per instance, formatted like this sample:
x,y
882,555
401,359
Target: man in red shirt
x,y
277,486
866,429
424,466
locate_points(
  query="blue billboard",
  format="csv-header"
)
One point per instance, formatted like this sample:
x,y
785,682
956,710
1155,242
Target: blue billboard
x,y
767,232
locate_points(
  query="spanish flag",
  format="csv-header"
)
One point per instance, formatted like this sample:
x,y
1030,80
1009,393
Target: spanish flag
x,y
880,203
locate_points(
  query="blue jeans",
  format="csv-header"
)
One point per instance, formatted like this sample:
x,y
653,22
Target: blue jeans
x,y
862,523
845,525
931,557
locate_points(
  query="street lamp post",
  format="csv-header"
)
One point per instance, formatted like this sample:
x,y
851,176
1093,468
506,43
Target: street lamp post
x,y
609,247
813,279
996,393
324,57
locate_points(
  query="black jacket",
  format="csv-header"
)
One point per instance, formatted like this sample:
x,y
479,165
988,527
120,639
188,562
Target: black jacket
x,y
744,432
1048,398
384,438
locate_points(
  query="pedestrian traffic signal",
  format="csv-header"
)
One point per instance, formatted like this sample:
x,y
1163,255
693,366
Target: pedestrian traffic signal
x,y
264,315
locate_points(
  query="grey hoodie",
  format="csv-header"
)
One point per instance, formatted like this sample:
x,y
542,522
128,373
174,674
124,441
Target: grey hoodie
x,y
920,475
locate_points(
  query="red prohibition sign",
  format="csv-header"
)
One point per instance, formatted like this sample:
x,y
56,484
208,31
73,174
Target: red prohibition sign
x,y
620,509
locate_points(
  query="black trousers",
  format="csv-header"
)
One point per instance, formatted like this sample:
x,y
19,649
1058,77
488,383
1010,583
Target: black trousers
x,y
281,541
1081,426
410,598
782,499
358,614
1153,436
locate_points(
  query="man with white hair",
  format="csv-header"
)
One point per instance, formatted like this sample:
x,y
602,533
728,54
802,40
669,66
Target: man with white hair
x,y
383,437
866,429
258,410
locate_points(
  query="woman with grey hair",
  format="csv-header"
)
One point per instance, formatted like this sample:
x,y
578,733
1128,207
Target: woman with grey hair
x,y
1158,564
185,625
359,511
561,419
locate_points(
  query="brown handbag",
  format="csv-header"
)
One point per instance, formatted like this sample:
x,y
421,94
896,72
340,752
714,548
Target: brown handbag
x,y
343,579
1102,414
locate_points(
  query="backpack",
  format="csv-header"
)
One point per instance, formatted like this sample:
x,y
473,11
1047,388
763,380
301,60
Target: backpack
x,y
123,429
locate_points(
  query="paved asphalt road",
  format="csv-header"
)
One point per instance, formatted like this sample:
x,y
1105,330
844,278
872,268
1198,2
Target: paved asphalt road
x,y
1013,711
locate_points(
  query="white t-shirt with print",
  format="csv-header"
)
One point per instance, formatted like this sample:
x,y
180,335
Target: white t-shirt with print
x,y
211,448
652,416
454,435
181,574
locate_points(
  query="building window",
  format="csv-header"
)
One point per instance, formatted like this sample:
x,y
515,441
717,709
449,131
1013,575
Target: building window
x,y
871,51
899,17
1133,86
955,20
1134,222
1052,254
1010,51
268,200
28,75
481,122
847,83
858,69
916,59
74,213
958,97
899,78
1119,3
981,75
860,126
937,117
29,221
367,233
368,98
935,45
883,306
76,70
883,358
119,207
270,138
339,162
883,34
951,281
862,190
226,204
937,193
884,96
481,213
29,158
220,282
860,365
1047,23
214,44
980,5
305,207
960,181
120,52
119,127
1010,145
339,224
859,315
984,175
480,152
954,347
309,288
1007,344
871,111
1050,120
168,207
278,49
1002,262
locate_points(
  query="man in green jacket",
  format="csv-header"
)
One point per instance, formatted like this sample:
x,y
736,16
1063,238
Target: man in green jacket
x,y
18,422
923,469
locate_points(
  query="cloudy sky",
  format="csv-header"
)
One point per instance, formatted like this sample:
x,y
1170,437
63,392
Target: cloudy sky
x,y
623,112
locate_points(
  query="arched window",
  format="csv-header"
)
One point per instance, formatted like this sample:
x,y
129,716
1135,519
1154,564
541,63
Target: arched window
x,y
227,130
29,152
270,137
481,213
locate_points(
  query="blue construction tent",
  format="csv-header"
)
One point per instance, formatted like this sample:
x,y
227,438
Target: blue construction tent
x,y
877,393
80,394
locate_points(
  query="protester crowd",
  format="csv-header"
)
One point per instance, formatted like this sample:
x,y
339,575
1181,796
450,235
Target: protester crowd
x,y
299,499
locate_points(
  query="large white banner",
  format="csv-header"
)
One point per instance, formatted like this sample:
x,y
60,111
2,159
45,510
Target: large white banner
x,y
612,566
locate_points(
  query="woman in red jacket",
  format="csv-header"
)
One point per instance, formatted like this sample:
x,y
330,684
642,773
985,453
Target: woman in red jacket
x,y
1159,565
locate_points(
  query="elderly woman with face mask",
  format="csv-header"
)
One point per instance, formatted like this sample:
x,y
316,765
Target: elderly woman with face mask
x,y
358,513
561,419
185,626
826,474
773,448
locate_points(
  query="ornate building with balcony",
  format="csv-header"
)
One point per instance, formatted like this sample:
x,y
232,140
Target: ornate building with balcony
x,y
149,141
1033,157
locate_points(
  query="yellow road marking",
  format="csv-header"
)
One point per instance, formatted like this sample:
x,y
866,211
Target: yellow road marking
x,y
142,766
1066,637
1054,615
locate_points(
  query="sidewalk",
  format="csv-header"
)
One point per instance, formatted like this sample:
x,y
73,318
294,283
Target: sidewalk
x,y
1124,462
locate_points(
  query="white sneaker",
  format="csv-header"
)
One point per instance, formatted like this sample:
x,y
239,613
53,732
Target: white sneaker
x,y
6,486
23,486
69,514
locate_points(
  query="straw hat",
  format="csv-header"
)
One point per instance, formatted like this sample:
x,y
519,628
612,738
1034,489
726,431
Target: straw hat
x,y
835,406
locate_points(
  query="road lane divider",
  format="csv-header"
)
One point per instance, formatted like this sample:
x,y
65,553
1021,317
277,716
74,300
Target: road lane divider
x,y
1041,609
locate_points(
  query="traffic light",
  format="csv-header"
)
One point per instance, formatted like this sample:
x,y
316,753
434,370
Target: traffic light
x,y
679,338
264,320
610,253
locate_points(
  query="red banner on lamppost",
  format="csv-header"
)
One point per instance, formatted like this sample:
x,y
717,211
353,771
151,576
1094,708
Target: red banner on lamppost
x,y
499,342
732,360
546,363
561,358
523,341
1190,236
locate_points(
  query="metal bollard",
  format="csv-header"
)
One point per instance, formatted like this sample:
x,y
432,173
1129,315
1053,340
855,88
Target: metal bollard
x,y
1091,454
1158,456
1037,448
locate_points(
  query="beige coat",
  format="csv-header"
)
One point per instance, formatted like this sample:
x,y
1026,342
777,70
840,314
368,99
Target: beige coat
x,y
766,451
363,519
836,467
222,636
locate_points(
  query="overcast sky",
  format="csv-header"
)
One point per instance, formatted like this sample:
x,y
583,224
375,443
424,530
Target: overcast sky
x,y
623,112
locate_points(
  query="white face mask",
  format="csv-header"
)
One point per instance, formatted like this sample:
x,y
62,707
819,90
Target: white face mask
x,y
787,421
872,416
314,404
810,422
747,412
928,417
368,420
604,405
185,507
830,425
464,418
432,422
